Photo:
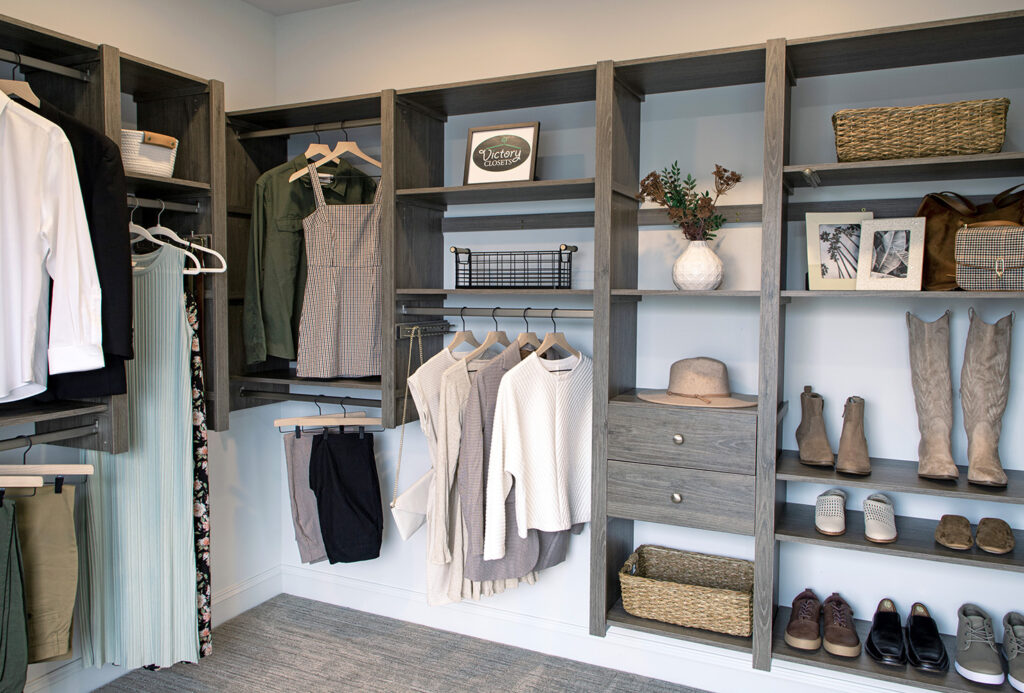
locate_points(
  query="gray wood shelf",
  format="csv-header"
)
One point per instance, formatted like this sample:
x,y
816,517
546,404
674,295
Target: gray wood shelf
x,y
885,207
632,399
795,523
1003,164
946,682
735,214
900,476
30,411
484,193
617,616
687,294
949,40
307,113
483,292
288,377
699,70
928,295
145,185
548,88
37,42
141,78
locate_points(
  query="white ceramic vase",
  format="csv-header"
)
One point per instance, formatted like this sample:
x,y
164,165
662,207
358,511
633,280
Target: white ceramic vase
x,y
698,268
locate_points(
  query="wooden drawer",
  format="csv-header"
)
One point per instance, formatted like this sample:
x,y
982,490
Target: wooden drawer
x,y
716,440
707,500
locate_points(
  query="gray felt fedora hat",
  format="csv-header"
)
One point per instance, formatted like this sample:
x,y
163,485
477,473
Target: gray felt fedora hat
x,y
699,382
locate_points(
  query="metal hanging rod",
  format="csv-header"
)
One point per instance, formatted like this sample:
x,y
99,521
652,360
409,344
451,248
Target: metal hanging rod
x,y
586,313
51,437
147,203
36,64
315,127
316,399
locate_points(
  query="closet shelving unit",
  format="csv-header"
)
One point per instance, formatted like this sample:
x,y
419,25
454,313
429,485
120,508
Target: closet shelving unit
x,y
936,42
86,80
256,141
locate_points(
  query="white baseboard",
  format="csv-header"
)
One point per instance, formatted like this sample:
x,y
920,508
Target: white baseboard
x,y
677,661
72,677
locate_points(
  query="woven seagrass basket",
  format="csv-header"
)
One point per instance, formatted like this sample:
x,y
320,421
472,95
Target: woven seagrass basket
x,y
910,132
689,589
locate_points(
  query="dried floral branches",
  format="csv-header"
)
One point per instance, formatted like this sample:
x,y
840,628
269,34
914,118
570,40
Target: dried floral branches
x,y
695,213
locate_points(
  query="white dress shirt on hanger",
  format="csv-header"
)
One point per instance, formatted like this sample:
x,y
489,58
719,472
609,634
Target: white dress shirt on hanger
x,y
43,235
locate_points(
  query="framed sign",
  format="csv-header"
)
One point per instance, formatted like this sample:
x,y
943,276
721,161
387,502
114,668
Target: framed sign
x,y
833,249
891,254
501,153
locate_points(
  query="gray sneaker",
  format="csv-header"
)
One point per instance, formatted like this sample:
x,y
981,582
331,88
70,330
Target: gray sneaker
x,y
1013,646
977,658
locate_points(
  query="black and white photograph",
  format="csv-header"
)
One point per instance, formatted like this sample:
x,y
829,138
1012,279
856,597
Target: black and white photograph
x,y
891,254
833,249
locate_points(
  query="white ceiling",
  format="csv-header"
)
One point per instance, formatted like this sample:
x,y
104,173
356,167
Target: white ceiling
x,y
280,7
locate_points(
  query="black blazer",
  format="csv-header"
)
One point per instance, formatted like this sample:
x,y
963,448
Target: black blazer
x,y
104,192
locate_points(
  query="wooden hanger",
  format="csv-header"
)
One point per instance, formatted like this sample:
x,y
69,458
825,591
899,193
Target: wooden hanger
x,y
463,336
493,337
19,88
327,420
333,155
527,340
17,470
20,481
555,339
160,230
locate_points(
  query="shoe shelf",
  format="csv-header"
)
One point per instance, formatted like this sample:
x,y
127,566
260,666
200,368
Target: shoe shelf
x,y
618,616
795,523
900,476
1000,165
486,193
949,681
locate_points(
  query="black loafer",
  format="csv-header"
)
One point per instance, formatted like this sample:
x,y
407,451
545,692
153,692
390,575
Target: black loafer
x,y
885,642
925,649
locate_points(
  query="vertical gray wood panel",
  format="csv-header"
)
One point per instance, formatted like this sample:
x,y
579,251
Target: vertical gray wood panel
x,y
615,257
765,550
215,328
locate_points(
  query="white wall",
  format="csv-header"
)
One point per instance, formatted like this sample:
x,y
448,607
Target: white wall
x,y
385,43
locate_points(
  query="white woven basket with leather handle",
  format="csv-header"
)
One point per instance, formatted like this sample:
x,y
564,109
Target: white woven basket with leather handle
x,y
149,153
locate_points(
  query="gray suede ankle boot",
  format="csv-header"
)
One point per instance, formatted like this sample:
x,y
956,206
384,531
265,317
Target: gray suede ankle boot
x,y
933,396
853,444
984,389
811,438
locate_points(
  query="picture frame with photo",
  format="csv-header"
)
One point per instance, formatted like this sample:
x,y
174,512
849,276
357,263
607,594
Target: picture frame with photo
x,y
501,153
833,249
891,254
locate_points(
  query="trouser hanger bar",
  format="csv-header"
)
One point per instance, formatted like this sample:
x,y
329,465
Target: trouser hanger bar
x,y
50,437
319,399
583,313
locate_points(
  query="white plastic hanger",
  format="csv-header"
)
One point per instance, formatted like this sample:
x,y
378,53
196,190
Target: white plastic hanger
x,y
556,339
462,336
333,155
493,338
18,88
160,230
143,234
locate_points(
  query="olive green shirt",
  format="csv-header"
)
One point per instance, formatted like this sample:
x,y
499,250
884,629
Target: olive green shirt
x,y
275,280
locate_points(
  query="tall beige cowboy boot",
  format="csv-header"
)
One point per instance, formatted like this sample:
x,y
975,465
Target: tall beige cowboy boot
x,y
933,396
984,389
811,437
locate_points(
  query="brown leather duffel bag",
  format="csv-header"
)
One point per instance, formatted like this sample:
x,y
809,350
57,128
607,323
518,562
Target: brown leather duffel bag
x,y
945,213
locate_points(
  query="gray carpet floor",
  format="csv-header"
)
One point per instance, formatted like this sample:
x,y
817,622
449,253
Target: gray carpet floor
x,y
294,644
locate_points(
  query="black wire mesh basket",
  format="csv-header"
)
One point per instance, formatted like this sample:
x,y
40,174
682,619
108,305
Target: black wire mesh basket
x,y
514,269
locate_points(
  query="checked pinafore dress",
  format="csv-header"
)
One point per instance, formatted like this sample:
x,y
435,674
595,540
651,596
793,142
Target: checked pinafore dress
x,y
339,330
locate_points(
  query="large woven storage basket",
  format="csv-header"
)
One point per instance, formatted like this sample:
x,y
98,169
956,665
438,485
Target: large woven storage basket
x,y
151,159
689,589
909,132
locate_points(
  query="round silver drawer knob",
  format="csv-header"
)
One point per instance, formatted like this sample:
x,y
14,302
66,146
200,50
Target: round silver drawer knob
x,y
677,498
677,439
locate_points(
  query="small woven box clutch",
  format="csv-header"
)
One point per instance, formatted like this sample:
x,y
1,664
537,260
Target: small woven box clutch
x,y
990,257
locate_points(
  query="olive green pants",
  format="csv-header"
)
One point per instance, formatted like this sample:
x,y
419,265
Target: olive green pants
x,y
46,531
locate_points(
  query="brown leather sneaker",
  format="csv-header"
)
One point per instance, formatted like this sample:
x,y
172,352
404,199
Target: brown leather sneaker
x,y
804,629
840,634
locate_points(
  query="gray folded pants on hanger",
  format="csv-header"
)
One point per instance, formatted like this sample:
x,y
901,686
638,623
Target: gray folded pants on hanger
x,y
304,512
